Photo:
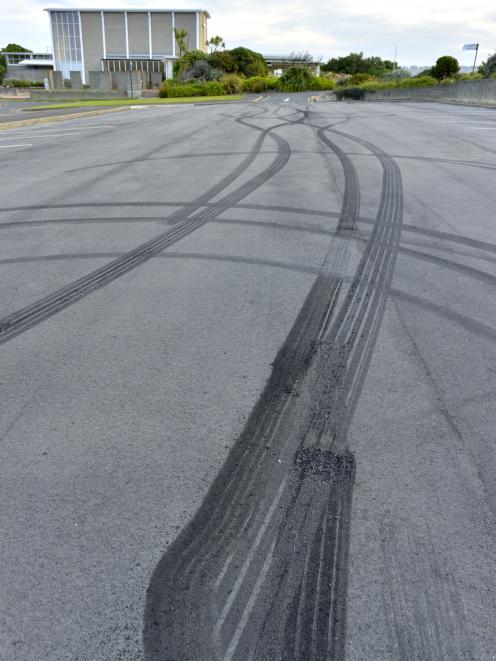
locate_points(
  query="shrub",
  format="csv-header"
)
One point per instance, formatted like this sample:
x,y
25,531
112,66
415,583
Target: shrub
x,y
257,84
295,79
423,81
173,89
248,62
201,70
445,67
187,61
14,82
488,68
355,93
260,84
470,76
359,78
397,74
232,83
319,83
222,60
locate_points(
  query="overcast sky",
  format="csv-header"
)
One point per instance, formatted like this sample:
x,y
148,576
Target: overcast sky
x,y
422,30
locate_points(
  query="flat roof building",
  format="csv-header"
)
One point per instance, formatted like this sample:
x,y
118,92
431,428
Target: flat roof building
x,y
119,39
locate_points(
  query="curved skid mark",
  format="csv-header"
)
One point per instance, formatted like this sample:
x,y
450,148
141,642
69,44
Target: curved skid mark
x,y
32,315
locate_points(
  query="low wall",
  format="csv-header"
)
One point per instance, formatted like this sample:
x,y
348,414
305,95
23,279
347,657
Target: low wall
x,y
469,92
74,95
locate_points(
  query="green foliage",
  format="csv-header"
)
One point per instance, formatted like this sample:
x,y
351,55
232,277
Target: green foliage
x,y
171,89
256,84
260,84
359,78
14,82
201,70
397,74
15,48
187,60
295,79
181,37
470,76
445,67
424,81
222,60
9,48
354,93
356,63
216,43
233,83
488,68
319,83
248,62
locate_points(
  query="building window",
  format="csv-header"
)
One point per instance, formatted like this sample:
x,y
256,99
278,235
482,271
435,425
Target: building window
x,y
66,42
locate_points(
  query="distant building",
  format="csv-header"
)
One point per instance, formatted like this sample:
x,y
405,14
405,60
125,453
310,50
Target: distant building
x,y
121,39
32,67
414,70
279,63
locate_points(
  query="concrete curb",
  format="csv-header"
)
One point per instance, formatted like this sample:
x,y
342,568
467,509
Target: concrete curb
x,y
58,118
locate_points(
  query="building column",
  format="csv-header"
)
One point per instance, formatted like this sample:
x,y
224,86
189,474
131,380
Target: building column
x,y
150,44
173,35
83,67
104,41
127,35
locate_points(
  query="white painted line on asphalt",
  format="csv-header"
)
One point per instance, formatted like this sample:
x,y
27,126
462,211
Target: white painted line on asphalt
x,y
34,135
33,130
11,146
466,121
482,128
286,100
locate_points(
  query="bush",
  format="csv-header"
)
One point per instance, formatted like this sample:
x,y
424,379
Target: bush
x,y
319,83
260,84
445,67
423,81
248,62
173,89
201,70
488,68
187,61
14,82
359,78
222,60
295,79
232,83
257,84
354,93
397,74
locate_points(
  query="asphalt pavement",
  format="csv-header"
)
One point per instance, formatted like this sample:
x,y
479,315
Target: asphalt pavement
x,y
248,359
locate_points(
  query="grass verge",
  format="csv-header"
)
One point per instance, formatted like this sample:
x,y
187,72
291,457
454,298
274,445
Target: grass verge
x,y
134,102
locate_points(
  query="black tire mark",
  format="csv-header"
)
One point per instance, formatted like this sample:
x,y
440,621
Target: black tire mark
x,y
351,187
193,575
352,337
26,318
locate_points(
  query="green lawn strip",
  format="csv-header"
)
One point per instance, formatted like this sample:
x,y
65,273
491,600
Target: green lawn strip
x,y
134,102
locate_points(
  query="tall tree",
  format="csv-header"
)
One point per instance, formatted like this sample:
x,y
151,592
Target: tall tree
x,y
445,67
9,48
216,43
181,40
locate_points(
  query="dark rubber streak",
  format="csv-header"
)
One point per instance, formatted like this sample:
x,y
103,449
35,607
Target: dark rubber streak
x,y
26,318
